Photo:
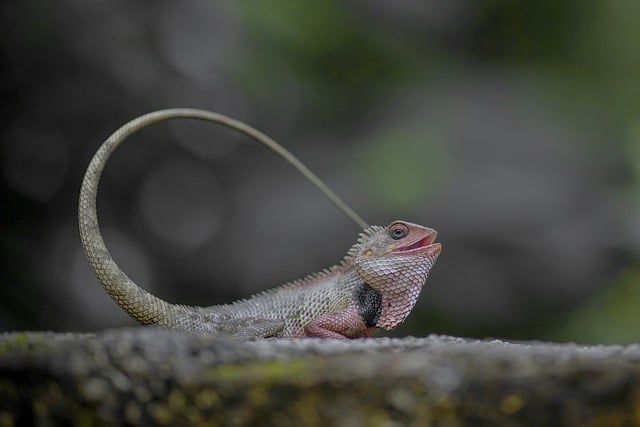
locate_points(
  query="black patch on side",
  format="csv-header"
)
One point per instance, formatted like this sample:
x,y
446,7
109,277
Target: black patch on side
x,y
369,303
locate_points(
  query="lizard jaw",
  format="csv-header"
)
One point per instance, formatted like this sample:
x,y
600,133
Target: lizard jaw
x,y
425,245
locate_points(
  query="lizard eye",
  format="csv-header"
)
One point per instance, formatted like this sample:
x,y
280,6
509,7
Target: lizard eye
x,y
398,231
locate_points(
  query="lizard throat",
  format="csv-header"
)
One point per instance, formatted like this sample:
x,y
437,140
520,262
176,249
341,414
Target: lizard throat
x,y
369,303
398,281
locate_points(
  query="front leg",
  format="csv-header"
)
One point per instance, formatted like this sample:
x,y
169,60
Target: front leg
x,y
340,325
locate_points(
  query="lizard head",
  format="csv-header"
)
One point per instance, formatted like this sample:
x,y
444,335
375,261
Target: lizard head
x,y
395,261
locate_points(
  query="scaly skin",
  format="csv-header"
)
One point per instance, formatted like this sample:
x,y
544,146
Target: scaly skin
x,y
375,286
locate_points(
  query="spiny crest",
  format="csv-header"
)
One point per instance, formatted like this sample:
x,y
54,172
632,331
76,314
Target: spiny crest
x,y
364,238
304,281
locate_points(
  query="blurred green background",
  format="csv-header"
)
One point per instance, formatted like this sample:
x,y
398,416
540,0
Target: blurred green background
x,y
511,127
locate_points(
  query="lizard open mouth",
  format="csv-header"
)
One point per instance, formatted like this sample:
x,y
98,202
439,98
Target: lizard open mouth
x,y
422,243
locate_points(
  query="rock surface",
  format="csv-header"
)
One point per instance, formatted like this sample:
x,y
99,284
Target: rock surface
x,y
147,376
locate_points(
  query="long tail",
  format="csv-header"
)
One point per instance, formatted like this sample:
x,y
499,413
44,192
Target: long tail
x,y
138,303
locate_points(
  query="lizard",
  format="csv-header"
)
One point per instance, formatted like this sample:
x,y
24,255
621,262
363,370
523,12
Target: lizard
x,y
375,286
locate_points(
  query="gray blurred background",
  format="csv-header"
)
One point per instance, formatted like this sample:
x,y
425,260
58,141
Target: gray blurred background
x,y
513,128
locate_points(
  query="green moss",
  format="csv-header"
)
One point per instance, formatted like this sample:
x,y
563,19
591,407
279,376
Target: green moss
x,y
275,370
18,340
85,417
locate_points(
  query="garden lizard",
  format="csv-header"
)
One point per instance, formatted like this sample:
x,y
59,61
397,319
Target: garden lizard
x,y
375,285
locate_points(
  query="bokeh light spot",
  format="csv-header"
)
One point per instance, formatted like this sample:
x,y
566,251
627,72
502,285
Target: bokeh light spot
x,y
180,202
35,163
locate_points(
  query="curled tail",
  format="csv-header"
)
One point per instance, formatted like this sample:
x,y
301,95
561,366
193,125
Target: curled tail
x,y
138,303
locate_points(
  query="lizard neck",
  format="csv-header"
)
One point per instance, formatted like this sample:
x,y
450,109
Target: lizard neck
x,y
397,280
368,301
